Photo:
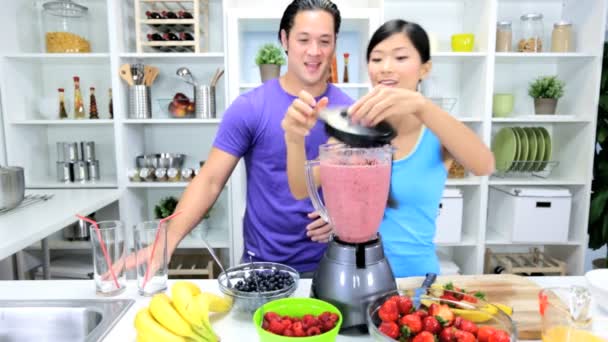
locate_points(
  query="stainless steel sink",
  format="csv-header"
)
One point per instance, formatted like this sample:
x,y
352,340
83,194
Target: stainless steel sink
x,y
59,320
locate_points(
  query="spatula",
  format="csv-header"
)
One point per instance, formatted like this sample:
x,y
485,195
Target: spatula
x,y
428,281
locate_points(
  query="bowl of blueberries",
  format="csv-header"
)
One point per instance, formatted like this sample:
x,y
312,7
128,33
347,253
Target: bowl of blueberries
x,y
252,285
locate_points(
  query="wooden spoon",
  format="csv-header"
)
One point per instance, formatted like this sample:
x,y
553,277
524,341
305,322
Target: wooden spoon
x,y
125,74
150,72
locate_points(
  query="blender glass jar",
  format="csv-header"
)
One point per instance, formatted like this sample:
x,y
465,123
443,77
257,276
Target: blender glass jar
x,y
65,27
531,39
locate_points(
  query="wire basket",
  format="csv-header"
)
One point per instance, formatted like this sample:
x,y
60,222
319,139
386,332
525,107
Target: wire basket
x,y
527,168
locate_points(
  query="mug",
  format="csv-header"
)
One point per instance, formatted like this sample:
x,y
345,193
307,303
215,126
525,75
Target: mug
x,y
502,105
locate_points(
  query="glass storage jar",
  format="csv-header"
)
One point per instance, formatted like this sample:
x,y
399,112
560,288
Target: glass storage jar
x,y
531,39
561,37
504,36
65,27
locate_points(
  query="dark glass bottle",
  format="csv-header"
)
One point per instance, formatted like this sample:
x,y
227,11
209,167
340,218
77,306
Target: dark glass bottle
x,y
185,36
155,37
93,114
63,114
110,105
185,15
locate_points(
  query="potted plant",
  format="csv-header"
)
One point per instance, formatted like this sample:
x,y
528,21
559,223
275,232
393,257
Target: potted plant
x,y
269,59
598,219
546,90
166,206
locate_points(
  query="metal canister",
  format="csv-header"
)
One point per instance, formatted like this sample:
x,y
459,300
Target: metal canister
x,y
93,169
71,151
89,150
140,103
81,171
65,172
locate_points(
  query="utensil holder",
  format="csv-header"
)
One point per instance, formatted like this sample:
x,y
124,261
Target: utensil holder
x,y
204,98
140,104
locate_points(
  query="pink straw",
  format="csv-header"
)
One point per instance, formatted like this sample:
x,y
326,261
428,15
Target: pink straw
x,y
103,247
147,275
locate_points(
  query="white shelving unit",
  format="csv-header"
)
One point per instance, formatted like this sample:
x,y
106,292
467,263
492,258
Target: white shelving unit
x,y
29,80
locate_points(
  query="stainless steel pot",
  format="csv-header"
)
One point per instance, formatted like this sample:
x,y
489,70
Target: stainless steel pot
x,y
12,186
78,230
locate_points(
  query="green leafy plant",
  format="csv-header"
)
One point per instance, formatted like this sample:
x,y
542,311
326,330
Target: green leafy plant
x,y
270,54
546,87
166,206
598,219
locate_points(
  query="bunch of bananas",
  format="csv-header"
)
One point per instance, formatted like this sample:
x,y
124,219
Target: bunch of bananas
x,y
182,318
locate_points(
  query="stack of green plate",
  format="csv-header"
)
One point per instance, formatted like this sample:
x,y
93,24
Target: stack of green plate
x,y
522,149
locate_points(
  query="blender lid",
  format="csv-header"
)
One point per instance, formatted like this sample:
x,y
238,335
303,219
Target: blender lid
x,y
65,8
339,126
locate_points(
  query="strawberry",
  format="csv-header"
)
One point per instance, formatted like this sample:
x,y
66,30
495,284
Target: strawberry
x,y
465,325
421,313
388,311
449,296
469,298
447,335
424,336
289,332
431,324
500,336
313,331
484,333
410,325
442,312
333,317
327,326
405,305
390,329
464,336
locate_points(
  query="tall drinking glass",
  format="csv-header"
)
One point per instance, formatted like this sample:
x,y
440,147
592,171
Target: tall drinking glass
x,y
109,282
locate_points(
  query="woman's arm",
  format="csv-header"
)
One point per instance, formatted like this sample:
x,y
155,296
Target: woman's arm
x,y
459,140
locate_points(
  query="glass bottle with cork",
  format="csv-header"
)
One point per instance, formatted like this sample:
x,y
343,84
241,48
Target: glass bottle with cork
x,y
93,114
79,112
110,104
63,114
345,77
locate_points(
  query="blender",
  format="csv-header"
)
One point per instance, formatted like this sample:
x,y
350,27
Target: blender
x,y
355,183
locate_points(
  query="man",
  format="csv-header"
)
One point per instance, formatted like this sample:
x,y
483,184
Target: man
x,y
276,227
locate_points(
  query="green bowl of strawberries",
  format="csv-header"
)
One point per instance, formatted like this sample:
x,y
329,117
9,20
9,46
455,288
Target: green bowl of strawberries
x,y
297,319
392,317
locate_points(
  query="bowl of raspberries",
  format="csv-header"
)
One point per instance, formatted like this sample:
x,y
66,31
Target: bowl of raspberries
x,y
297,319
253,284
392,317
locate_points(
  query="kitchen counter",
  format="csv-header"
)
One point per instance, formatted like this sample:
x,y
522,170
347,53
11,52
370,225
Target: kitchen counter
x,y
231,327
23,227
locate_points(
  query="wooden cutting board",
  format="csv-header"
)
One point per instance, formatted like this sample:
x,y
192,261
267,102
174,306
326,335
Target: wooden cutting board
x,y
516,291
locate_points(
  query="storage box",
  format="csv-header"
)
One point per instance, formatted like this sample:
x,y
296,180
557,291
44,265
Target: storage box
x,y
449,217
529,214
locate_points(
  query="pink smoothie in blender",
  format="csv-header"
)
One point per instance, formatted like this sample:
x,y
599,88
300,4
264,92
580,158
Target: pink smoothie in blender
x,y
355,184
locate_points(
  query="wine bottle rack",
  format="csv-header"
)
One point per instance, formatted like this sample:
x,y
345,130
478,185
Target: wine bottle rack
x,y
195,26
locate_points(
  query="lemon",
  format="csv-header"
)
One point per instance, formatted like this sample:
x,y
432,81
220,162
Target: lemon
x,y
504,308
475,316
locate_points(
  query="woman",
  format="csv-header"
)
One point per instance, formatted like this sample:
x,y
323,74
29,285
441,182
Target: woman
x,y
428,140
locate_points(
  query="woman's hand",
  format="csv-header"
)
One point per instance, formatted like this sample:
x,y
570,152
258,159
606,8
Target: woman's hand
x,y
302,116
383,102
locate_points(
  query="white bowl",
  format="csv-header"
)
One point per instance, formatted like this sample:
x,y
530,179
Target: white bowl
x,y
598,282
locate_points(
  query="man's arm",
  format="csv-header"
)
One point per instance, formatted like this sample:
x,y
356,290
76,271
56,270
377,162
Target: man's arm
x,y
200,195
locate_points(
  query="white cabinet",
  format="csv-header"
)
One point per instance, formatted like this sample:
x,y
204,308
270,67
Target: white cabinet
x,y
30,78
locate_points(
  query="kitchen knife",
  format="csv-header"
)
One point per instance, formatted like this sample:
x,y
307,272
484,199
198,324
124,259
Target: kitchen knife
x,y
428,281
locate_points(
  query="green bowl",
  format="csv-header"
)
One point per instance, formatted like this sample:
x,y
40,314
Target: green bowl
x,y
297,307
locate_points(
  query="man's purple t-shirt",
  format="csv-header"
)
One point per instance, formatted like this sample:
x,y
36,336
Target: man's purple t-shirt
x,y
275,223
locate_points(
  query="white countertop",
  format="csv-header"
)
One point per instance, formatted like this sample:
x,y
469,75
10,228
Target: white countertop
x,y
22,227
230,327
